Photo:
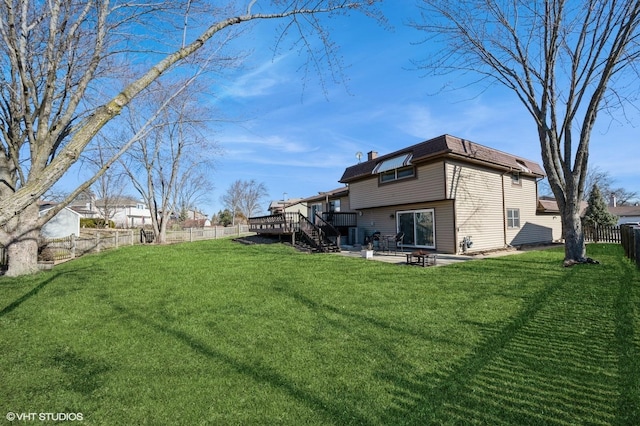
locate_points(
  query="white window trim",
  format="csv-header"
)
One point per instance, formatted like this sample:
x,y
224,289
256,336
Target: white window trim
x,y
392,163
433,215
511,219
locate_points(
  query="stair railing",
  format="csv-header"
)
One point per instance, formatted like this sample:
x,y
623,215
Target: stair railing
x,y
328,229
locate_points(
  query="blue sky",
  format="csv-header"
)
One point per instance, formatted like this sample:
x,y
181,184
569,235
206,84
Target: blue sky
x,y
296,139
299,141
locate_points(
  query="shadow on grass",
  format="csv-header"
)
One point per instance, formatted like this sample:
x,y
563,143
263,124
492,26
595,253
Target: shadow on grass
x,y
322,309
82,374
554,363
330,411
34,291
628,355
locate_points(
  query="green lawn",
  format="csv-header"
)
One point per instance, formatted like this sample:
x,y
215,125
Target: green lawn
x,y
225,334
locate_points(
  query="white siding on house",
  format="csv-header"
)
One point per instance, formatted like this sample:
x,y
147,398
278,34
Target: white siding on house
x,y
628,219
63,224
428,185
132,217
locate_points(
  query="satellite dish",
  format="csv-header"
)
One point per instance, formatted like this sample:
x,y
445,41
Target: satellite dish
x,y
358,156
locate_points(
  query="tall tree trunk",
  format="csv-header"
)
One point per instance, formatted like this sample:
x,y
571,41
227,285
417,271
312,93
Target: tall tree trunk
x,y
574,244
22,249
574,247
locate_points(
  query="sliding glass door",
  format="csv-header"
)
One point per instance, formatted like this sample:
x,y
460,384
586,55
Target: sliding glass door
x,y
418,227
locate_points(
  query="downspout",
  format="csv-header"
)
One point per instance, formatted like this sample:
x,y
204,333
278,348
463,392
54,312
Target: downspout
x,y
504,211
447,195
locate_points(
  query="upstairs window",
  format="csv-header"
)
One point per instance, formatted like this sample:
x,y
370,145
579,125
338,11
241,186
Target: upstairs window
x,y
395,174
523,166
394,168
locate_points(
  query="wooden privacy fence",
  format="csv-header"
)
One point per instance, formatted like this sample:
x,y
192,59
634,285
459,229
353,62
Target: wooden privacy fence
x,y
602,234
630,236
60,249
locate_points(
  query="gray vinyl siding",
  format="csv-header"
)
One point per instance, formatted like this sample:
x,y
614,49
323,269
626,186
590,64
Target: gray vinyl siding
x,y
428,185
478,204
379,219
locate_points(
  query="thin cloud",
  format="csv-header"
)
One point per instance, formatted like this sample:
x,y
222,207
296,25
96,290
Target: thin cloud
x,y
262,81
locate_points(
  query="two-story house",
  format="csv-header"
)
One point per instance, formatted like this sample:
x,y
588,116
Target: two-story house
x,y
451,195
126,212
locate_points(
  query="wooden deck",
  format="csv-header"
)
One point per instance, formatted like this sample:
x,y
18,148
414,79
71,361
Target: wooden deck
x,y
289,223
281,223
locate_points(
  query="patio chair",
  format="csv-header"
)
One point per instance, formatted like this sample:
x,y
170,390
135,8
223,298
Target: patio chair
x,y
377,241
398,242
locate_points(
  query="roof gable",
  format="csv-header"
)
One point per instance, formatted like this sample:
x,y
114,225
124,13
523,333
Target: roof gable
x,y
447,146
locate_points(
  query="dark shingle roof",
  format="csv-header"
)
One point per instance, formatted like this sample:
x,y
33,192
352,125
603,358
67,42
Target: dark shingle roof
x,y
334,193
453,147
622,211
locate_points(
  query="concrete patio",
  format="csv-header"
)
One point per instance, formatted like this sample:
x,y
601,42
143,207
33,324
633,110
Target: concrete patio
x,y
400,258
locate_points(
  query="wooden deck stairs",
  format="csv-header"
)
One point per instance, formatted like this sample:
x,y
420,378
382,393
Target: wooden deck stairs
x,y
315,241
317,236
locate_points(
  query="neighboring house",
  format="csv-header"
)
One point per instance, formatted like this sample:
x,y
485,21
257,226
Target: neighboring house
x,y
626,214
336,200
291,205
63,224
448,191
196,215
129,212
85,205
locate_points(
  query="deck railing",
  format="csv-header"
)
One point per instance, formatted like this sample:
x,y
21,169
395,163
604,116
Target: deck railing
x,y
281,223
340,219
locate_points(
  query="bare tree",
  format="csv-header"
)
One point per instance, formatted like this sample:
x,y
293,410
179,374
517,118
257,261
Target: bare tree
x,y
232,199
58,59
243,197
111,185
623,197
171,153
193,189
601,178
253,194
564,60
